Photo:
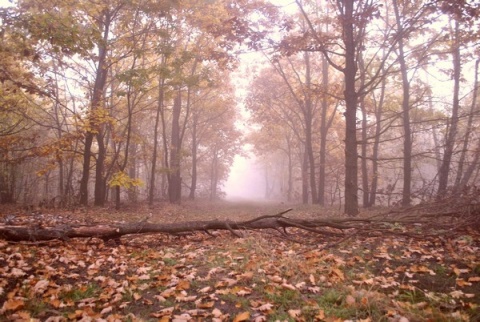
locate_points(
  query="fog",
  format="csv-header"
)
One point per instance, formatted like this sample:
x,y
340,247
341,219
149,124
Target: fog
x,y
246,180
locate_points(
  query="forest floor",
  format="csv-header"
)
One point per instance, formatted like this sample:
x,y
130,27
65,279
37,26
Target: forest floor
x,y
260,276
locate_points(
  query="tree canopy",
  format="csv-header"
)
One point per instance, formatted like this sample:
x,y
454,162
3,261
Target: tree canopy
x,y
138,100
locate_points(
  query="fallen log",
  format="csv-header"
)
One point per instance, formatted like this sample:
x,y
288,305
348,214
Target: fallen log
x,y
108,231
418,226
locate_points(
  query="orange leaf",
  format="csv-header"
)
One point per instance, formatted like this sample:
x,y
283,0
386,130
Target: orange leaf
x,y
55,303
206,305
461,282
339,273
244,316
13,305
183,285
320,315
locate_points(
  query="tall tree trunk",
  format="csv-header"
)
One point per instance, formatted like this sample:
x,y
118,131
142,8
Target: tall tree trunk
x,y
323,134
132,172
467,175
87,154
290,169
364,141
376,144
305,178
308,127
100,182
452,130
407,133
363,161
161,94
69,190
472,167
468,130
59,123
96,102
130,107
436,141
193,185
214,175
174,175
351,100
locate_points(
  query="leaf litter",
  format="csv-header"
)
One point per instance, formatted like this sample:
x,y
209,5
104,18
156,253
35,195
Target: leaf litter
x,y
259,277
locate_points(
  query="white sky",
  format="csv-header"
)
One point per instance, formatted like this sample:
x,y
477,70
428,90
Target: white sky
x,y
246,180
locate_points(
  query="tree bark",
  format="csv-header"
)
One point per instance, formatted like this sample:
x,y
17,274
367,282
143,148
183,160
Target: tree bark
x,y
174,174
305,178
407,133
290,168
193,185
96,102
308,112
376,145
468,131
452,130
214,175
133,172
161,93
364,142
323,134
100,182
351,100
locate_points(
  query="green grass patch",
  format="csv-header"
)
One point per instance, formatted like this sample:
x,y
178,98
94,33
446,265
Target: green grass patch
x,y
81,293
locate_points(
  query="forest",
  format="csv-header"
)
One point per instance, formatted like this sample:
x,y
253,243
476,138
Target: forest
x,y
120,121
374,103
